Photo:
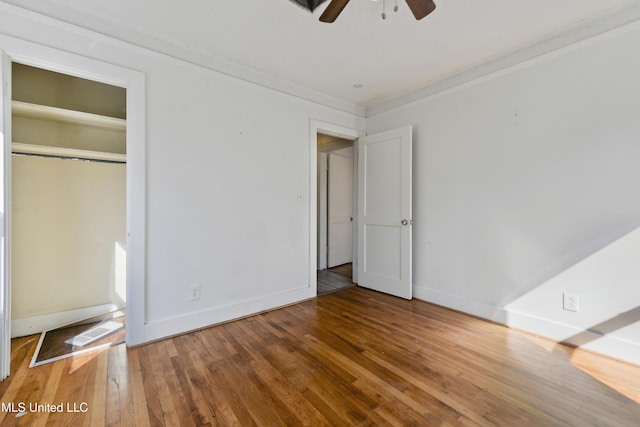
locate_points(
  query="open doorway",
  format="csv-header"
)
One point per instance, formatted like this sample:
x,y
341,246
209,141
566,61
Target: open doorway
x,y
382,215
335,213
68,188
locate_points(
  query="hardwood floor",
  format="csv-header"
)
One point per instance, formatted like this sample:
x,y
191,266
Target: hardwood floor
x,y
354,357
344,270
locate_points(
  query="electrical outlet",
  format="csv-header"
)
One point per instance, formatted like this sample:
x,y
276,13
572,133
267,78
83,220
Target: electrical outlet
x,y
193,292
570,302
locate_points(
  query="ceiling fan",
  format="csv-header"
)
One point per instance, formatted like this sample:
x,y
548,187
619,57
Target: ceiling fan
x,y
419,8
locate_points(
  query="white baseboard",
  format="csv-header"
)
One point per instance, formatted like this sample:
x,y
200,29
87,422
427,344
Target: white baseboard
x,y
616,348
45,322
164,328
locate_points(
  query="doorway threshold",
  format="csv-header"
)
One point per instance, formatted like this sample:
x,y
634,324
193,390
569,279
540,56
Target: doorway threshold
x,y
335,279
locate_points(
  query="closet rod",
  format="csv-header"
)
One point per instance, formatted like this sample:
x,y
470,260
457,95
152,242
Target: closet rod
x,y
66,153
50,156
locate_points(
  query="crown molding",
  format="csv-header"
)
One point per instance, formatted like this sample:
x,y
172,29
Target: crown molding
x,y
154,45
618,18
623,18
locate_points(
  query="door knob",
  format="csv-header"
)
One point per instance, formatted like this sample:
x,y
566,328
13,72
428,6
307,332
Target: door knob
x,y
404,222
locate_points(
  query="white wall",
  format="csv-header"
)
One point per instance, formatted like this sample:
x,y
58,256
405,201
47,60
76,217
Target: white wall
x,y
226,161
526,186
68,218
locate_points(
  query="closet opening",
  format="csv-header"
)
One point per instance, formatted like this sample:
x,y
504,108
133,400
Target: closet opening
x,y
68,211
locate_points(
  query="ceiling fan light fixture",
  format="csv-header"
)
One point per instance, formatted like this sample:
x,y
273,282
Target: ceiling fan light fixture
x,y
419,8
384,8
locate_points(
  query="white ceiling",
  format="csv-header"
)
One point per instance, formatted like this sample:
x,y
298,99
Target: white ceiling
x,y
279,42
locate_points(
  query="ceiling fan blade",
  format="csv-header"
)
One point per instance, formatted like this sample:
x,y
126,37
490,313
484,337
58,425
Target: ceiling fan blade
x,y
332,11
421,8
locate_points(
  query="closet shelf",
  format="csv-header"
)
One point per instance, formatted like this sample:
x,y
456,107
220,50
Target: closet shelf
x,y
45,112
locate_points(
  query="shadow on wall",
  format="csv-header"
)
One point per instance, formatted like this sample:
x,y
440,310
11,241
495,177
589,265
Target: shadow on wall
x,y
606,315
605,328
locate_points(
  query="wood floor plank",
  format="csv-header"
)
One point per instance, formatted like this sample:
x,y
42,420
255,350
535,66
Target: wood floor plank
x,y
99,399
198,387
353,357
279,384
21,351
265,407
48,395
224,394
167,394
118,398
136,391
148,378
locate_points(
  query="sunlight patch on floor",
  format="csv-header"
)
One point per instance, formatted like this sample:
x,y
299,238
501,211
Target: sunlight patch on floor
x,y
596,366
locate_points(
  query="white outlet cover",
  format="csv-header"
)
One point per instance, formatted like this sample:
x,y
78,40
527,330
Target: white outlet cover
x,y
570,302
193,292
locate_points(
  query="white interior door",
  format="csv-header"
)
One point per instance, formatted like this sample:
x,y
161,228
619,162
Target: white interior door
x,y
384,212
5,158
340,207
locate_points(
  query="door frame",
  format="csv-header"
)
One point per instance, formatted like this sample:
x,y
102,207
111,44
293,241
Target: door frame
x,y
28,53
323,243
315,127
